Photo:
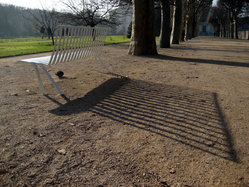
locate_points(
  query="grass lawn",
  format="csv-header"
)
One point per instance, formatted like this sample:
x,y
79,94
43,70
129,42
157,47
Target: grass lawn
x,y
21,46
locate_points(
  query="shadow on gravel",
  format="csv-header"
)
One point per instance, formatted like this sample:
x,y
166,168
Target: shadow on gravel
x,y
188,116
202,61
237,50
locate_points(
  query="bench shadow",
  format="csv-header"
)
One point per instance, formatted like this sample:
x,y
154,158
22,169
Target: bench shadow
x,y
189,116
201,61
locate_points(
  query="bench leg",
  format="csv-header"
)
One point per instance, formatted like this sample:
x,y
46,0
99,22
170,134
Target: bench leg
x,y
107,69
39,79
99,59
52,80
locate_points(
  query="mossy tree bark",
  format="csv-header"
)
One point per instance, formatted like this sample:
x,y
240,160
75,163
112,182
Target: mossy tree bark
x,y
143,41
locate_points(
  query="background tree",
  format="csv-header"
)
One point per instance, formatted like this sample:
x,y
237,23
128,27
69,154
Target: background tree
x,y
13,23
194,10
49,19
94,12
234,8
143,33
129,30
220,20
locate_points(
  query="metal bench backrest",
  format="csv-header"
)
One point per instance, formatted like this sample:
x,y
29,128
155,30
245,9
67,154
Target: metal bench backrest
x,y
76,42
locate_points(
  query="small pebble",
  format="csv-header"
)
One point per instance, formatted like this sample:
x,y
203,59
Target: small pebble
x,y
62,151
41,135
13,94
172,171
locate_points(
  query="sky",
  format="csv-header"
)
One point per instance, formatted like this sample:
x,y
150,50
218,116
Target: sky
x,y
214,2
46,4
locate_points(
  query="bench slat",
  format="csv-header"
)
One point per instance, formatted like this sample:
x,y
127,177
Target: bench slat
x,y
72,43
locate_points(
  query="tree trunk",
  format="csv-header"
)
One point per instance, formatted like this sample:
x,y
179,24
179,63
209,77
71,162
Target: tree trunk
x,y
236,34
194,24
165,26
185,37
172,23
189,28
143,41
178,22
231,27
231,30
52,36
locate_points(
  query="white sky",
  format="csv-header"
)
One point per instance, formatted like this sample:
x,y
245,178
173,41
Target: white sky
x,y
214,2
47,4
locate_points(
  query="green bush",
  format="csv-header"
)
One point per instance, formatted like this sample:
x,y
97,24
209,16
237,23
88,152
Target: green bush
x,y
129,30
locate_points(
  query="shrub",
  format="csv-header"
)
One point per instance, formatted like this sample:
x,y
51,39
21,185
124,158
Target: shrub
x,y
129,30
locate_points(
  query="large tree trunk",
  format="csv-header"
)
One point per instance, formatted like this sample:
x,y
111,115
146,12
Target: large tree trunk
x,y
178,22
165,26
143,41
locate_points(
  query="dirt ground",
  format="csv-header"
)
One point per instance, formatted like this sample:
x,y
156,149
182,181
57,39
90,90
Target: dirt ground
x,y
180,119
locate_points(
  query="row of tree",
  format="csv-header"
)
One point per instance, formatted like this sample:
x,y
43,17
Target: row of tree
x,y
13,23
228,15
179,21
179,18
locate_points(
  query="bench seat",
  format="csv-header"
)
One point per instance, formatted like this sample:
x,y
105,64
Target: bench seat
x,y
39,60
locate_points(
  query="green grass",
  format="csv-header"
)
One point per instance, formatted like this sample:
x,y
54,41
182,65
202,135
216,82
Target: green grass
x,y
22,46
116,39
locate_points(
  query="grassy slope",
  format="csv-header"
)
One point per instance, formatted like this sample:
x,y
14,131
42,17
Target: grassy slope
x,y
21,46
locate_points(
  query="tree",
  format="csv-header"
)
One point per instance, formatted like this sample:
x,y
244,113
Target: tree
x,y
220,20
129,30
143,40
234,8
94,12
171,22
178,22
48,19
13,23
194,10
165,24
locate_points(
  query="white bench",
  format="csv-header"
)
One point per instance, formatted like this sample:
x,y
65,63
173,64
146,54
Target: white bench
x,y
71,43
